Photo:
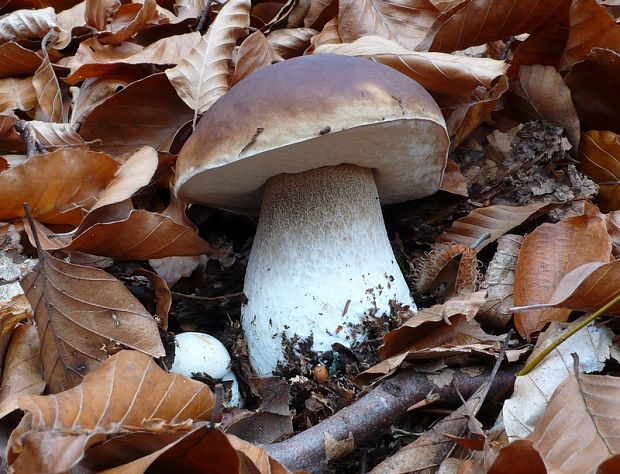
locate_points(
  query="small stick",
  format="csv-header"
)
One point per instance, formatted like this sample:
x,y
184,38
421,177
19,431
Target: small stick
x,y
33,146
539,358
239,295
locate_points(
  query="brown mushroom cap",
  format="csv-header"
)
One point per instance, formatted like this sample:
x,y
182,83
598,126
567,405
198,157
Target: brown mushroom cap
x,y
310,112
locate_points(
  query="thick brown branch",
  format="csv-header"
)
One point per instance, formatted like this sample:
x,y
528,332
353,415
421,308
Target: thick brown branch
x,y
370,416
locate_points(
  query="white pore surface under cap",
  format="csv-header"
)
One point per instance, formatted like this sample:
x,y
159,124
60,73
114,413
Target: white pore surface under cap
x,y
321,260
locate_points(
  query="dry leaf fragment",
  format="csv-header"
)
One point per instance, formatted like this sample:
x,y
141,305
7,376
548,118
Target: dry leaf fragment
x,y
17,94
470,23
599,156
290,42
546,256
523,410
453,181
254,54
98,12
541,94
329,35
495,220
83,315
127,21
27,24
57,135
21,373
58,185
438,72
15,60
404,21
202,76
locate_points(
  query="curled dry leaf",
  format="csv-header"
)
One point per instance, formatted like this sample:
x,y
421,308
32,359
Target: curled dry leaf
x,y
594,86
329,35
547,255
541,94
404,21
495,220
163,297
254,54
465,115
15,60
98,12
589,402
122,29
453,181
470,23
17,94
83,315
544,47
290,42
146,112
438,72
94,59
613,228
532,392
320,12
27,24
58,185
21,374
150,400
57,135
49,95
202,76
589,26
599,157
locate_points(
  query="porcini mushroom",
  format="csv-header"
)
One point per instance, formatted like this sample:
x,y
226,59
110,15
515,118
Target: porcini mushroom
x,y
321,141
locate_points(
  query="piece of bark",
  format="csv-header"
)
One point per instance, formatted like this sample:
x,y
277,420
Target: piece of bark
x,y
371,415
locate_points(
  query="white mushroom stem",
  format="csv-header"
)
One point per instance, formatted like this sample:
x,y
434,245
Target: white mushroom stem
x,y
321,260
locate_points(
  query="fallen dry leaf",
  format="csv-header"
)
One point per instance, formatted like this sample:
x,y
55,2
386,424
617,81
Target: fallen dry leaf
x,y
151,400
98,12
470,23
547,255
130,20
254,54
405,21
83,315
329,35
15,60
57,185
589,402
541,94
495,220
532,392
543,47
57,135
17,94
49,96
26,24
202,76
146,112
589,26
290,42
599,157
453,181
437,72
593,84
21,374
320,12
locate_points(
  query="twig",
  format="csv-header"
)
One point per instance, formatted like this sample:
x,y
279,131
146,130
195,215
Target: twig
x,y
539,358
239,295
33,146
371,415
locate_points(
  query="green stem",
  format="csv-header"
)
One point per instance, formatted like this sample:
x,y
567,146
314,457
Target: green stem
x,y
539,358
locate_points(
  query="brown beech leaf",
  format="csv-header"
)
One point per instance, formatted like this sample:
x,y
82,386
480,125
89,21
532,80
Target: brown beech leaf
x,y
163,297
594,86
589,26
320,12
17,94
98,12
123,29
438,72
133,175
599,156
465,115
15,60
57,135
546,256
202,76
27,24
613,228
58,185
254,54
94,59
541,94
544,47
473,22
589,402
83,315
146,112
496,220
404,21
21,374
290,42
453,181
258,457
329,35
48,92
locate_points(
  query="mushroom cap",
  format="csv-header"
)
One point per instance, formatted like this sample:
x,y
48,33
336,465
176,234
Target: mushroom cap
x,y
307,113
